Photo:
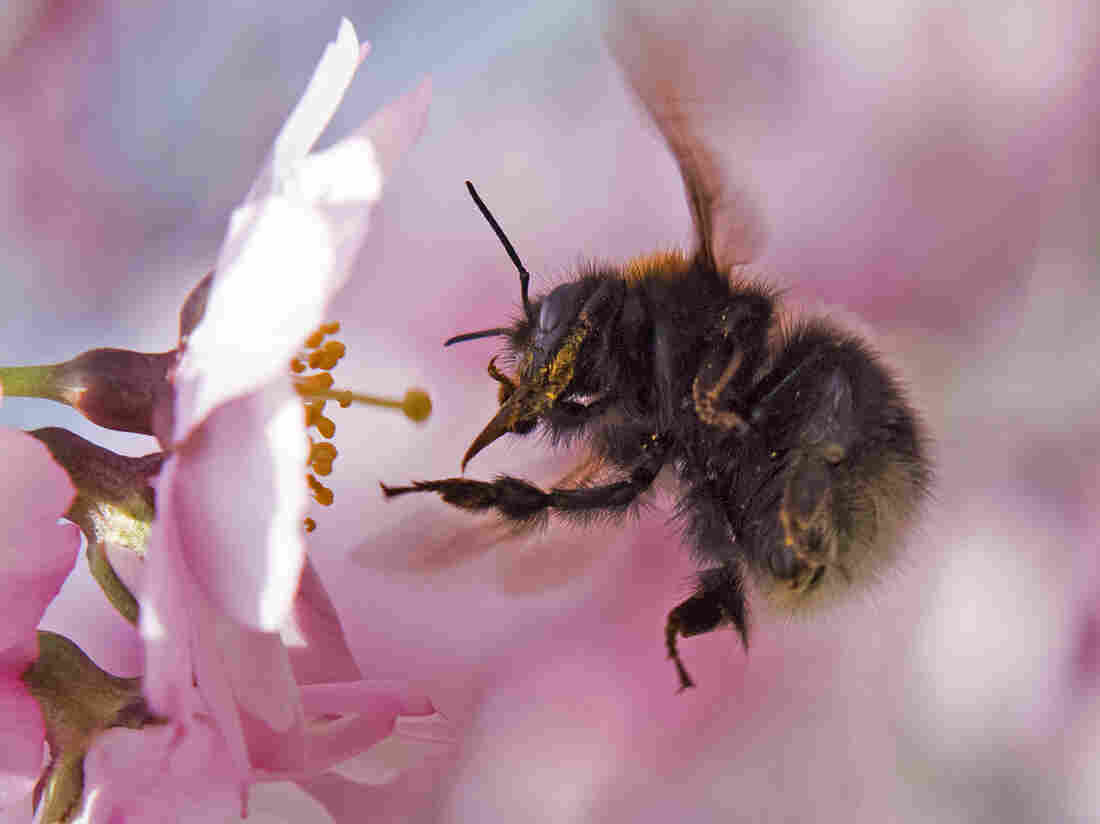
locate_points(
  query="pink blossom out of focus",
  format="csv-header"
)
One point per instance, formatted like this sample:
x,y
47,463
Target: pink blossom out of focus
x,y
226,552
38,554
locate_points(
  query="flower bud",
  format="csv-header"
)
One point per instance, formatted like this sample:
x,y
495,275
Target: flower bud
x,y
114,388
114,504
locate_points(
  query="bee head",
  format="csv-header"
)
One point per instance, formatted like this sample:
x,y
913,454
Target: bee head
x,y
548,339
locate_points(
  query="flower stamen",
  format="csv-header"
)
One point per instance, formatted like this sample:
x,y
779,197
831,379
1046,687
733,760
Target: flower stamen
x,y
316,389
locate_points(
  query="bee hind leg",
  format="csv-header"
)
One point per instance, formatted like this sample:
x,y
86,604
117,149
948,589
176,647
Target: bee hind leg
x,y
719,600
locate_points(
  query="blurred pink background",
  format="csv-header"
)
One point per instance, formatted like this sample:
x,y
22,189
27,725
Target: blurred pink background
x,y
928,173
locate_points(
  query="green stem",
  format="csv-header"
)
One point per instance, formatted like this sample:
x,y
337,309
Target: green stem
x,y
30,381
117,593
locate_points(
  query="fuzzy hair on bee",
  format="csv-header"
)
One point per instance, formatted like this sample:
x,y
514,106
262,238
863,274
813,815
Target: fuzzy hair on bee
x,y
800,462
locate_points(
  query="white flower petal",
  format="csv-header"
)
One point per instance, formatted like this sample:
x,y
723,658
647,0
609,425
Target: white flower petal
x,y
274,277
314,110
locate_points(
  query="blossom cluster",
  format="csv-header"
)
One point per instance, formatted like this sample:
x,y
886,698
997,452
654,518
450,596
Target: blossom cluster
x,y
247,676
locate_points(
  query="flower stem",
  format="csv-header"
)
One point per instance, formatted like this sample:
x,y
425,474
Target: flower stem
x,y
29,381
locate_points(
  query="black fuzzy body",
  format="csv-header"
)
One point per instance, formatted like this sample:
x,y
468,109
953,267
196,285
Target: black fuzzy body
x,y
799,461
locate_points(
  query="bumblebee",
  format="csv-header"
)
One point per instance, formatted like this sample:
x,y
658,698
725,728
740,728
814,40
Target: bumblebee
x,y
800,462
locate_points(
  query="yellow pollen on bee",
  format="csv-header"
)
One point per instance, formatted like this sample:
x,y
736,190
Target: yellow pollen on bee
x,y
316,389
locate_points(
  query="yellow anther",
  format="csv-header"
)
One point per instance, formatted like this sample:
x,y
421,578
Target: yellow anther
x,y
317,388
323,451
327,356
417,405
325,426
314,410
321,456
313,384
315,418
321,493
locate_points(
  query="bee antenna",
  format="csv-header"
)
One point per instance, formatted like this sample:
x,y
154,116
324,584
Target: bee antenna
x,y
524,275
484,333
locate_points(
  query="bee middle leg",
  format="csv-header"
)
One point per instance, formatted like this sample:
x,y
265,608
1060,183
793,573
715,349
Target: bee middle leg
x,y
707,393
520,501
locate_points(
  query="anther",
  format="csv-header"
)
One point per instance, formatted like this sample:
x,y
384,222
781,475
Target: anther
x,y
316,418
321,493
313,385
327,356
321,456
317,388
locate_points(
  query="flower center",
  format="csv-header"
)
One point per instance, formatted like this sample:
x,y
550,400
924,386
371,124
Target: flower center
x,y
316,389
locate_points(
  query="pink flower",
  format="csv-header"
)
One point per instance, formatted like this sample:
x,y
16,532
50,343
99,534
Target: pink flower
x,y
227,553
36,553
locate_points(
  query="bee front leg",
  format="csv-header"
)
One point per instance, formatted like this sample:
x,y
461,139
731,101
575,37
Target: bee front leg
x,y
520,501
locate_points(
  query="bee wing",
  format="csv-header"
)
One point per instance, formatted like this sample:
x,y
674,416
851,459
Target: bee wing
x,y
729,228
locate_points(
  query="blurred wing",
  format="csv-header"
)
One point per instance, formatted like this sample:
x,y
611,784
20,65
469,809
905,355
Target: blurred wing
x,y
728,226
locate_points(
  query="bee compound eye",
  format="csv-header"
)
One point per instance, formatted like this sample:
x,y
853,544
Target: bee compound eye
x,y
551,313
783,563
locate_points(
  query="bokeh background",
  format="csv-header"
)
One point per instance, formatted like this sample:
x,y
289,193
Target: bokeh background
x,y
928,172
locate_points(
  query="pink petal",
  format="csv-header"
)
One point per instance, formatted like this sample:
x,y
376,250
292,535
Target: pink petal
x,y
247,680
22,737
314,636
27,596
36,552
159,773
284,803
284,257
34,493
166,612
244,676
173,617
414,740
239,496
351,697
369,710
397,126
